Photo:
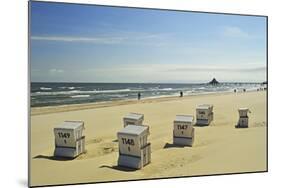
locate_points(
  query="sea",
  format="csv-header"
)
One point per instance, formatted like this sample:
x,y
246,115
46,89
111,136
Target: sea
x,y
54,94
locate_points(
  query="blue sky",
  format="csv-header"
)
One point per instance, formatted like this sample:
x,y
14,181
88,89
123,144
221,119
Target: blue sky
x,y
79,43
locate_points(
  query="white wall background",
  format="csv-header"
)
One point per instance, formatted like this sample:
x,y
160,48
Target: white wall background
x,y
13,73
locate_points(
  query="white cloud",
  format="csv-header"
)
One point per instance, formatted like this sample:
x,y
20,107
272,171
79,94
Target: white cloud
x,y
56,71
158,73
220,69
155,39
100,40
249,67
176,73
232,31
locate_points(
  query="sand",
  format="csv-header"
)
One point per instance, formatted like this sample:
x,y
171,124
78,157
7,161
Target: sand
x,y
218,148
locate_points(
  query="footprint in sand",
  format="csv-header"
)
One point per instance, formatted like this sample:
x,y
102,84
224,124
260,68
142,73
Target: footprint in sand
x,y
259,124
109,147
194,158
94,141
99,150
204,143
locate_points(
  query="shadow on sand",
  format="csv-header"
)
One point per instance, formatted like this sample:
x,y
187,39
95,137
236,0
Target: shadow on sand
x,y
200,125
168,145
116,140
240,127
119,168
53,158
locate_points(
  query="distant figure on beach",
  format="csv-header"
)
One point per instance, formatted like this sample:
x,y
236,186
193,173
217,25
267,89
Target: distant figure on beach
x,y
244,90
181,93
139,95
234,90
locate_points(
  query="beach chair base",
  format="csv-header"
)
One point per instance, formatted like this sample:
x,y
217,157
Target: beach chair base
x,y
136,162
71,152
243,122
183,141
203,122
129,161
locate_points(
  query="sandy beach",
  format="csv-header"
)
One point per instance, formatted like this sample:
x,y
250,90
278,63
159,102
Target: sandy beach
x,y
218,148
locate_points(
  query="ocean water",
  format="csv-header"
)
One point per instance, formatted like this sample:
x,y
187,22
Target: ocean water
x,y
53,94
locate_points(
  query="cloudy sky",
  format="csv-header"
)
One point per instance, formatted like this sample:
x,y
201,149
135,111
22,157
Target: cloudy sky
x,y
78,43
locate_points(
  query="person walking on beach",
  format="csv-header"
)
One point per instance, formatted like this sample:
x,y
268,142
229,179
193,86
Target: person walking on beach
x,y
139,95
181,93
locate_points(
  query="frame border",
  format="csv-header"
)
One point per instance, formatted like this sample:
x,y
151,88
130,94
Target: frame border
x,y
144,8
